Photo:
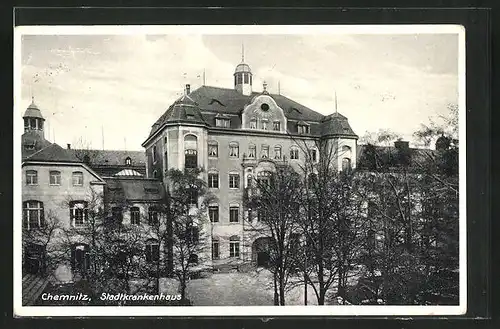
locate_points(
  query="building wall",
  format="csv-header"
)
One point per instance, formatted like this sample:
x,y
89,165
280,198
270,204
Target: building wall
x,y
56,199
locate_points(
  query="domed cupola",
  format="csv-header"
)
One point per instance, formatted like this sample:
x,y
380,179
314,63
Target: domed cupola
x,y
243,77
33,119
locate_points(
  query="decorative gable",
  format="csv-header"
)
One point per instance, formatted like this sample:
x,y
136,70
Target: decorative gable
x,y
264,114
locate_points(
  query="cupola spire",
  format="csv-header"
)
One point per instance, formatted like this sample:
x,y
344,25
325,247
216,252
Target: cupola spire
x,y
243,76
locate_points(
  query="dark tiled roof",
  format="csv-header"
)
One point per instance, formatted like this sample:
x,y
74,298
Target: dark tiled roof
x,y
36,142
119,190
213,100
336,124
53,153
111,157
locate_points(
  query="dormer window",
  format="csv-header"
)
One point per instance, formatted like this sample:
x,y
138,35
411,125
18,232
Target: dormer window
x,y
222,122
128,161
264,124
302,128
276,126
253,124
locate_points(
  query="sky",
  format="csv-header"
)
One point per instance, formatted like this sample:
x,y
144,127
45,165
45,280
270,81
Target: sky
x,y
108,90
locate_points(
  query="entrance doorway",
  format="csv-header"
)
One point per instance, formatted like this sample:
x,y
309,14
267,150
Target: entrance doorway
x,y
261,252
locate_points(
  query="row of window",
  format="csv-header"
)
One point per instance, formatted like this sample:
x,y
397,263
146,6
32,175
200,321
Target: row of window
x,y
213,180
34,215
234,247
234,151
264,124
54,177
234,213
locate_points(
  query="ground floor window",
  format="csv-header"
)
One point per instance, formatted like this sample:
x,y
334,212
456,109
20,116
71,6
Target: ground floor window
x,y
234,246
33,214
152,250
215,248
80,258
34,258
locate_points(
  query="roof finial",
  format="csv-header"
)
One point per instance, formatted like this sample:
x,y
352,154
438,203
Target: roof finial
x,y
242,52
264,86
336,110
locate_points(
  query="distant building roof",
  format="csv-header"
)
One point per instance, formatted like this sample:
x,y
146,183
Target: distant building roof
x,y
52,153
111,157
129,172
122,189
371,157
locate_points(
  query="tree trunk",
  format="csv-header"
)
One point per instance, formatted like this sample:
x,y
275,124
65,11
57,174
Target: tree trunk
x,y
276,297
282,288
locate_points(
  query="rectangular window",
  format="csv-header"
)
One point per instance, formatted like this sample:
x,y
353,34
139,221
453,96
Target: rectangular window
x,y
234,181
31,177
77,178
55,177
135,216
294,154
213,180
215,249
213,214
153,154
234,249
234,151
152,252
213,150
234,214
276,126
265,152
33,214
303,129
224,123
312,154
190,159
153,217
264,125
253,124
251,151
78,213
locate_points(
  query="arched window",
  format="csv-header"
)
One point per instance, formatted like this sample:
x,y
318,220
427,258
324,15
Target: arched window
x,y
190,151
346,165
153,154
251,151
77,178
33,214
215,248
78,213
346,151
193,259
264,153
277,152
128,161
213,149
234,246
152,250
31,177
234,150
249,180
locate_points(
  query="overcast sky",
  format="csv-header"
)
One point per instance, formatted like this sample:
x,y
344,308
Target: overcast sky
x,y
120,84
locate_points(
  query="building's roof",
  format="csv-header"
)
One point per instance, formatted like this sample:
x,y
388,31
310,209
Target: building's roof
x,y
33,112
129,173
336,124
32,142
214,100
242,67
119,190
111,157
52,153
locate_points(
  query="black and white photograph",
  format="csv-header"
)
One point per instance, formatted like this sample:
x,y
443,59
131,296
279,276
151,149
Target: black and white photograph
x,y
239,170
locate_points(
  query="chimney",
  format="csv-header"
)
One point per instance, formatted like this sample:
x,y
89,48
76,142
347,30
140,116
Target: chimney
x,y
402,145
188,89
69,146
